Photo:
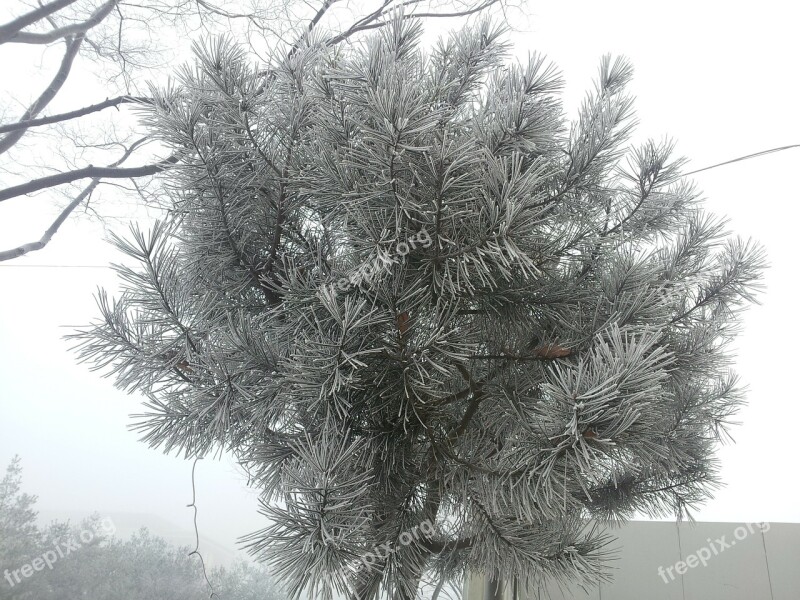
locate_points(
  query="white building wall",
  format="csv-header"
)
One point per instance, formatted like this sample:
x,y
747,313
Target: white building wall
x,y
700,561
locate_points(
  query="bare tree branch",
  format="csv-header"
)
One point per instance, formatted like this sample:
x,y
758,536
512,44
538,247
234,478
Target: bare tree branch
x,y
74,114
73,45
371,21
24,37
9,30
311,24
91,171
214,10
51,231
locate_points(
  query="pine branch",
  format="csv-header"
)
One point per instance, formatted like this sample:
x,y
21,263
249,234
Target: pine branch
x,y
349,405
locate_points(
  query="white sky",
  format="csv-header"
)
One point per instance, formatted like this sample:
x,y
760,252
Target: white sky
x,y
720,77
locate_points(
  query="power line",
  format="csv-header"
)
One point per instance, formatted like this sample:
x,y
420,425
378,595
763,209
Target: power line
x,y
727,162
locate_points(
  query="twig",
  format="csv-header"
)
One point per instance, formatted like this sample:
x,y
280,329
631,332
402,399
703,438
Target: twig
x,y
197,532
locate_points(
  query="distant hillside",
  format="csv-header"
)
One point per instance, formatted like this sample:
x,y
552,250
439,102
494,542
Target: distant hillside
x,y
214,553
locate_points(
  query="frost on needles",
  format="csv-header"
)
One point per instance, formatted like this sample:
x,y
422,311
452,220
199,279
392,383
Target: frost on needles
x,y
555,358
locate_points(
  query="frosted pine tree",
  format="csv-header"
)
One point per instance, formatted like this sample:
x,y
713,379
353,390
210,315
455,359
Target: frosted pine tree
x,y
409,295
